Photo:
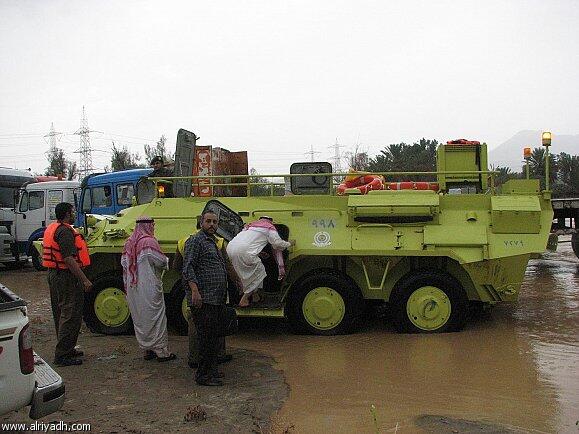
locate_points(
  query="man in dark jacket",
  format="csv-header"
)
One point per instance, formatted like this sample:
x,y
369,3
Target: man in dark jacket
x,y
205,272
159,170
234,283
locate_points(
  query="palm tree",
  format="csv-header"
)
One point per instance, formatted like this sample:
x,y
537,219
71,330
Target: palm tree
x,y
567,184
402,157
504,174
537,166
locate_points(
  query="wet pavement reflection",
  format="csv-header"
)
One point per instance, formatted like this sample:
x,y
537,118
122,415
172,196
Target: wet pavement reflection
x,y
513,370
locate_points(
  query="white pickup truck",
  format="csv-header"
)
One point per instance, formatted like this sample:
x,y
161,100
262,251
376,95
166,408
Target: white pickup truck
x,y
25,379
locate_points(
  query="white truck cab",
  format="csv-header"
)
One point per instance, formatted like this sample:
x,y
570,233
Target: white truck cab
x,y
35,211
11,180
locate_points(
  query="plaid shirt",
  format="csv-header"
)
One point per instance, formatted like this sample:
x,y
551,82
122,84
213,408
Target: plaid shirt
x,y
204,265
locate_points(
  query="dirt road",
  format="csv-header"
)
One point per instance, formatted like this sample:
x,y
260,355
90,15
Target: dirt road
x,y
116,391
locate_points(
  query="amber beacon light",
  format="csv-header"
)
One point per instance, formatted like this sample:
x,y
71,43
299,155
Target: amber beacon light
x,y
527,154
546,138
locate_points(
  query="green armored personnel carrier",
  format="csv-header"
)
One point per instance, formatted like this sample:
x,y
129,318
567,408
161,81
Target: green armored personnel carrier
x,y
429,249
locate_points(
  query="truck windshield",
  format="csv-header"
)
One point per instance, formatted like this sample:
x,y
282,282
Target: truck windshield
x,y
9,186
7,197
102,197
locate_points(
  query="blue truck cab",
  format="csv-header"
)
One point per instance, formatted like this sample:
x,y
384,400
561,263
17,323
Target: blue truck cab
x,y
108,193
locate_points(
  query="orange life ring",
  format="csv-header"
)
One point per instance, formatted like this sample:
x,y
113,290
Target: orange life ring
x,y
364,183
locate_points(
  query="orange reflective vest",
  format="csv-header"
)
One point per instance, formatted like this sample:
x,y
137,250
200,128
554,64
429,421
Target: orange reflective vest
x,y
51,256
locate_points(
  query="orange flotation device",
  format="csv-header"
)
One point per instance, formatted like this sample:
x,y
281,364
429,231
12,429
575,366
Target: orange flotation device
x,y
409,185
51,256
364,183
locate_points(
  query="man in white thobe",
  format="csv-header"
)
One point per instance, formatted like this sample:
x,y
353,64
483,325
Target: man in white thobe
x,y
143,263
244,250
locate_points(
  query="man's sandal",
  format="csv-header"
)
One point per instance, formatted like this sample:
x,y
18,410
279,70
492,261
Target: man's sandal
x,y
167,359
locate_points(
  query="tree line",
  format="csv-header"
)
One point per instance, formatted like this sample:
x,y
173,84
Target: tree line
x,y
421,157
121,159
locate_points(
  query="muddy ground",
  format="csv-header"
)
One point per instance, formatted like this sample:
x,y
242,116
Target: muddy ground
x,y
513,370
116,391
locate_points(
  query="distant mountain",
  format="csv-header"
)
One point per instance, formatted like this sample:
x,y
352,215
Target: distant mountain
x,y
510,153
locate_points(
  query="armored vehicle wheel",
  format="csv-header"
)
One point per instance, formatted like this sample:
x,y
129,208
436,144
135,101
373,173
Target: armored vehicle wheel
x,y
177,309
326,303
575,243
36,260
429,302
106,309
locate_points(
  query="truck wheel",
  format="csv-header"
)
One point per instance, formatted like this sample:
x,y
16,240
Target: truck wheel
x,y
14,265
429,302
326,303
36,260
177,310
106,309
575,243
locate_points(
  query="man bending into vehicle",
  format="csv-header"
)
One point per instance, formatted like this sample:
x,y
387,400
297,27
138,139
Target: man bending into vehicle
x,y
244,251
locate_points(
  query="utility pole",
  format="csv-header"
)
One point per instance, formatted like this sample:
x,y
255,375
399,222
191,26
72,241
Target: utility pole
x,y
311,153
51,137
85,151
337,167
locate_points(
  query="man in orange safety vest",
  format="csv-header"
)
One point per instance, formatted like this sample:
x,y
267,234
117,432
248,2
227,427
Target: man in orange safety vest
x,y
65,254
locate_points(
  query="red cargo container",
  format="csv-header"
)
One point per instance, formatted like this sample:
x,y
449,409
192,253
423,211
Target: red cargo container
x,y
218,161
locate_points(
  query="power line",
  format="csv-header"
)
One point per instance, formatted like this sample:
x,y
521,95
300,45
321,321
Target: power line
x,y
52,136
19,145
22,155
337,167
311,153
132,137
17,135
85,151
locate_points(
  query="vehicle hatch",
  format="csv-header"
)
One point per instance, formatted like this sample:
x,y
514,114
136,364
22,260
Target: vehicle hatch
x,y
145,191
230,224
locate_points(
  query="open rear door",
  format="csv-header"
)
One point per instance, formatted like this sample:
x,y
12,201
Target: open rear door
x,y
145,191
230,224
184,156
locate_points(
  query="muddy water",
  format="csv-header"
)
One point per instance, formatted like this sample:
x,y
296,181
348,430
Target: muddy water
x,y
514,370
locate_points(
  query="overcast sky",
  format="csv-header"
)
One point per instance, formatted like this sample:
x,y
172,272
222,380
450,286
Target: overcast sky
x,y
277,77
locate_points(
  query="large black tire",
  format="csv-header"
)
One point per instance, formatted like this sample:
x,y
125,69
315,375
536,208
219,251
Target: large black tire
x,y
174,303
36,260
115,285
14,265
575,243
324,303
447,296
